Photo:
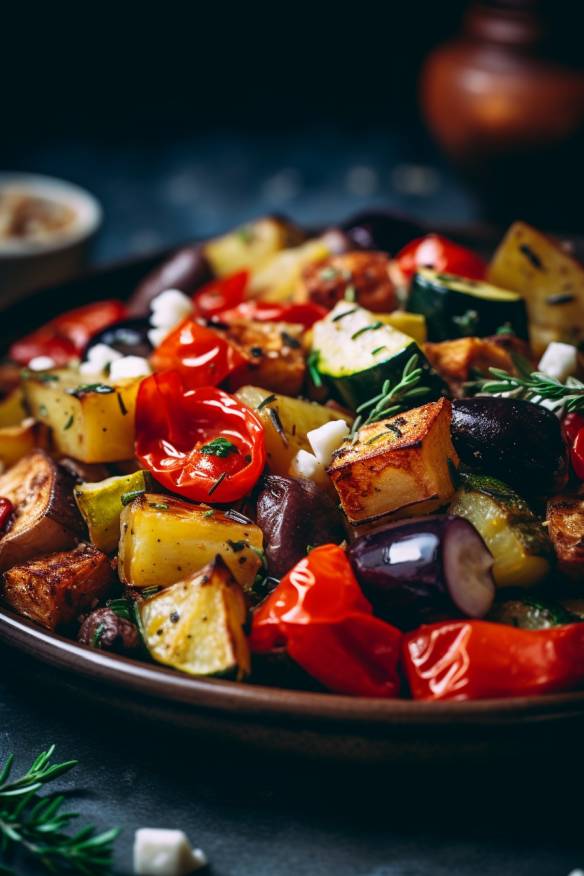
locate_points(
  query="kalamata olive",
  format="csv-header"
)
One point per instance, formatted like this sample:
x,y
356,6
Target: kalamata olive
x,y
294,515
512,439
129,337
104,629
381,230
186,269
417,571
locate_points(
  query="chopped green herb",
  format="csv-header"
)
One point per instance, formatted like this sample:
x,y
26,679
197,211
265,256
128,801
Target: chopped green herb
x,y
160,506
277,422
123,407
219,481
366,328
27,374
378,349
376,437
96,638
328,273
128,497
266,401
467,323
219,447
312,365
100,388
340,316
209,513
69,422
43,410
350,294
537,386
392,400
505,329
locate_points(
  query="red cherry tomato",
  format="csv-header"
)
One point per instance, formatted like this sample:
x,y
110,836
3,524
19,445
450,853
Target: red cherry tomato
x,y
218,295
66,336
6,509
201,443
577,455
262,311
320,616
202,356
572,423
441,254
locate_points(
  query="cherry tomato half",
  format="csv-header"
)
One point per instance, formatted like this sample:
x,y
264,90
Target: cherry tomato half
x,y
441,254
202,443
218,295
571,424
262,311
202,356
66,336
577,455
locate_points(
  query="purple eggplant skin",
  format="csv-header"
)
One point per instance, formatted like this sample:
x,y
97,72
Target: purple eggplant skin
x,y
129,337
187,269
512,439
422,570
380,230
294,515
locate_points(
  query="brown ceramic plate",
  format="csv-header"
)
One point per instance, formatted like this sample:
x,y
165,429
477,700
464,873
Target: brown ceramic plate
x,y
272,719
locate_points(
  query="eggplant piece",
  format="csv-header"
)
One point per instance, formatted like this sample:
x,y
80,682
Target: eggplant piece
x,y
424,570
54,590
512,439
186,269
129,337
45,516
293,515
381,230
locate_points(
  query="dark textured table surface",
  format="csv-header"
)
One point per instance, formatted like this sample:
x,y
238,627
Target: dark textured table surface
x,y
251,814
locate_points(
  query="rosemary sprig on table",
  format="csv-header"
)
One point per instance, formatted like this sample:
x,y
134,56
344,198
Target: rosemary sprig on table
x,y
36,824
392,400
537,386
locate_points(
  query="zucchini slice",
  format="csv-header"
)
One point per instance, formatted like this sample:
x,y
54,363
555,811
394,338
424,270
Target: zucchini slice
x,y
531,614
196,625
354,351
456,307
513,534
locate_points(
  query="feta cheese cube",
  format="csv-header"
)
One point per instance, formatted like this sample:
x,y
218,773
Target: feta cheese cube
x,y
169,308
98,358
41,363
306,465
326,439
129,366
161,852
559,361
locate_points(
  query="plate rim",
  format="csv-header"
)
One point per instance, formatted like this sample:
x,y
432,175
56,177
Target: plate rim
x,y
250,700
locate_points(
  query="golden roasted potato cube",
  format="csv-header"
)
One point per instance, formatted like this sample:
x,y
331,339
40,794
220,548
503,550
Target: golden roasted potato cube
x,y
55,589
274,353
456,360
196,625
247,247
412,324
17,441
278,279
286,423
565,516
90,422
399,466
163,540
550,280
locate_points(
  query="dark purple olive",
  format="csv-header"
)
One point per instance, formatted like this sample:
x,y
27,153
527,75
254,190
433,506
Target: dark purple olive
x,y
512,439
381,230
129,337
186,269
293,515
105,630
417,571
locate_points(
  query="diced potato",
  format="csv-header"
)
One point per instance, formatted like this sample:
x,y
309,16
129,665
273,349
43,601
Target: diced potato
x,y
163,540
17,441
196,625
55,589
90,422
247,247
400,466
279,277
274,353
101,505
286,423
412,324
456,360
12,410
566,529
550,280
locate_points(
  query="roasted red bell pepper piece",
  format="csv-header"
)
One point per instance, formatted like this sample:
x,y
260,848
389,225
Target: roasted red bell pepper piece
x,y
470,660
65,337
441,254
577,455
263,311
201,356
319,615
218,295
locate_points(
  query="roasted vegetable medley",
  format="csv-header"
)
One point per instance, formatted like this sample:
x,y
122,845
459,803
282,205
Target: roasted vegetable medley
x,y
309,461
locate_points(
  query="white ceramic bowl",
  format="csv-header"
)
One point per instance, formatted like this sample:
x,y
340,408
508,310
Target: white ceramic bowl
x,y
26,264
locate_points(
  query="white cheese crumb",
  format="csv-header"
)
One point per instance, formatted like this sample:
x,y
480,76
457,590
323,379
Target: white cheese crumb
x,y
306,465
157,335
41,363
326,439
129,366
559,361
161,852
98,358
168,310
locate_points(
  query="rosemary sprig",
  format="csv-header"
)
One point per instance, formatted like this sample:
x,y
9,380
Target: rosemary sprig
x,y
36,824
392,400
537,387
